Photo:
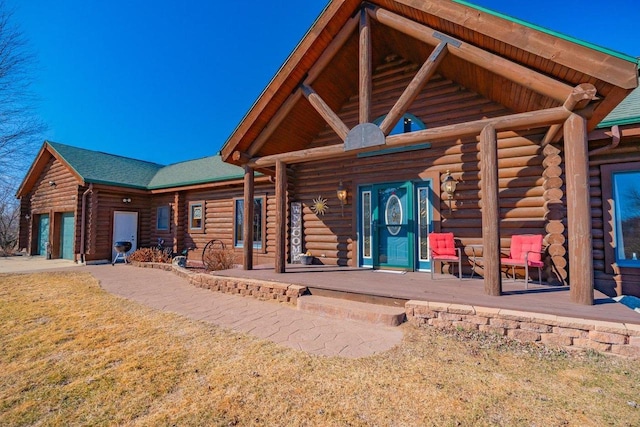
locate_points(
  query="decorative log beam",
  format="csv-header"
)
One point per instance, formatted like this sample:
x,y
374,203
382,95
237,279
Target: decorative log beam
x,y
490,211
327,55
503,67
366,72
576,146
281,217
325,111
529,119
413,89
579,98
616,137
239,156
526,120
247,219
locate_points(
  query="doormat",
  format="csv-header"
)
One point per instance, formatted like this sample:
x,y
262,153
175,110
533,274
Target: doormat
x,y
390,271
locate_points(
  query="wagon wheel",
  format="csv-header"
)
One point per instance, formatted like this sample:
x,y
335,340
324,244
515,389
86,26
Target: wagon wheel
x,y
208,253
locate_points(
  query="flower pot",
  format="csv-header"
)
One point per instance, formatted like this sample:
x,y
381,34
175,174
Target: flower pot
x,y
306,259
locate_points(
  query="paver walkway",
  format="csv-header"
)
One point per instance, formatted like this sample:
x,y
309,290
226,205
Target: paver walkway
x,y
269,320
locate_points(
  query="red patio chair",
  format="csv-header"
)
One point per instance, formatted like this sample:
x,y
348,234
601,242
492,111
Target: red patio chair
x,y
442,247
526,251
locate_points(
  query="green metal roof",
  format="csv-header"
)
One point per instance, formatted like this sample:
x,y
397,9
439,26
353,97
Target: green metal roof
x,y
199,171
626,113
550,32
103,168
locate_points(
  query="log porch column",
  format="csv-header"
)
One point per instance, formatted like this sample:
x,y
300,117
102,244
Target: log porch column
x,y
578,210
281,216
490,211
247,230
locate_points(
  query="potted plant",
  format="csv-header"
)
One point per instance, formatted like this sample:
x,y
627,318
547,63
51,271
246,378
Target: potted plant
x,y
306,258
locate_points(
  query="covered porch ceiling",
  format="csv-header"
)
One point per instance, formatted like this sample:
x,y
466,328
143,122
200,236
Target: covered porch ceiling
x,y
517,66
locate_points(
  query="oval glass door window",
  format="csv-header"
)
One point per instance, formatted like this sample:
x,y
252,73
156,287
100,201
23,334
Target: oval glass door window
x,y
393,215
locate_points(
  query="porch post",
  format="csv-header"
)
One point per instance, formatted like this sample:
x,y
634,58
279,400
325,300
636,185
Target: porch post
x,y
490,211
578,210
281,216
365,68
247,220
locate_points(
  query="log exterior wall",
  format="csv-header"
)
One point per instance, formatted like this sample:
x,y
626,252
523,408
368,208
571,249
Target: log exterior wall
x,y
609,277
219,204
526,180
52,200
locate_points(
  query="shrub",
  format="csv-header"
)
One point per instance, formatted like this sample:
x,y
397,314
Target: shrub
x,y
219,259
150,255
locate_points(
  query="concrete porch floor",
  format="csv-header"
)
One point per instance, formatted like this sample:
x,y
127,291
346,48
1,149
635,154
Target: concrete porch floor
x,y
392,288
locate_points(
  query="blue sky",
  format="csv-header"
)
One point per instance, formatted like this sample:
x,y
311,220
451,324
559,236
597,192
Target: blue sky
x,y
168,81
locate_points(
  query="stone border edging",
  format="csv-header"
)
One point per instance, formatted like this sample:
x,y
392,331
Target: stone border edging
x,y
606,337
260,289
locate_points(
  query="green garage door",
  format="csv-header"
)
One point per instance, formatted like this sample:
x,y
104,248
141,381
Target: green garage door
x,y
66,235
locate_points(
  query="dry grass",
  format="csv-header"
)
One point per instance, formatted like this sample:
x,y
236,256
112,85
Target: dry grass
x,y
71,354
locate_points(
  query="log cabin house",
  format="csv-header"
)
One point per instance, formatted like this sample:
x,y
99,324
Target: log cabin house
x,y
75,203
387,99
384,101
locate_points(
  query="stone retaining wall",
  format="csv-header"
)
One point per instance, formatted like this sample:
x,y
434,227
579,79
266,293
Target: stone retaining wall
x,y
606,337
260,289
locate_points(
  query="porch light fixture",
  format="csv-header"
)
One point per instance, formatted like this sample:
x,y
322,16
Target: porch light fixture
x,y
27,217
126,200
52,183
341,192
449,186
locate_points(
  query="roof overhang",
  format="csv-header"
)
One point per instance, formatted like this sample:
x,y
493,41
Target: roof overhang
x,y
544,55
37,167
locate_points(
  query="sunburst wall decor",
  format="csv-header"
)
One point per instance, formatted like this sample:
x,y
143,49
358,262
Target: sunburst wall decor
x,y
319,205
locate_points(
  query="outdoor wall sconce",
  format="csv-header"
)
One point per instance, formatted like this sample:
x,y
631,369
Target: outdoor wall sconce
x,y
449,186
126,200
52,183
341,192
27,217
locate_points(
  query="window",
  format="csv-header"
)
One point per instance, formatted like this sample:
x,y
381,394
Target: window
x,y
162,218
407,123
366,224
196,216
258,226
626,197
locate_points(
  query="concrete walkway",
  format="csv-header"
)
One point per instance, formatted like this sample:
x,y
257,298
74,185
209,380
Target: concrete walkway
x,y
279,323
20,264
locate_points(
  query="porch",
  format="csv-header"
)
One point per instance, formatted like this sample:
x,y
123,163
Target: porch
x,y
391,288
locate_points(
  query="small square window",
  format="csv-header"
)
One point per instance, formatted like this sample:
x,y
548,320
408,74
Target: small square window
x,y
196,215
162,222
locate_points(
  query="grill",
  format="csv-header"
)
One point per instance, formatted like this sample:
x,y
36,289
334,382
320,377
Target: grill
x,y
121,247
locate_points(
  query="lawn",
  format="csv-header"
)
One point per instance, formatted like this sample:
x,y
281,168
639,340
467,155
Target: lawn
x,y
72,354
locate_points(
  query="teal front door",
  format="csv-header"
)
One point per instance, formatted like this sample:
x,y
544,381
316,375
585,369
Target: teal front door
x,y
67,233
43,234
393,226
394,222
